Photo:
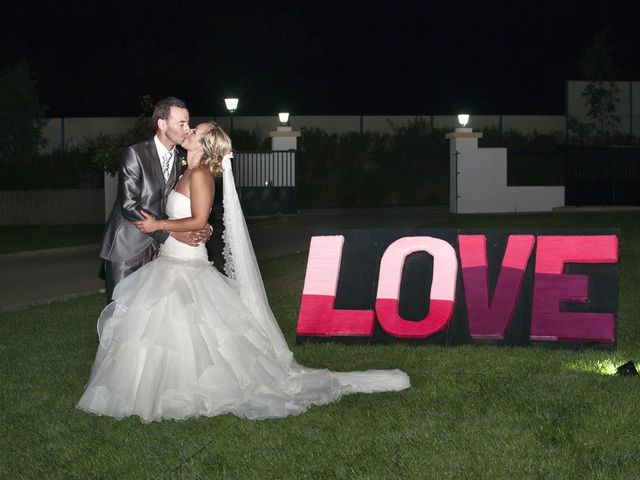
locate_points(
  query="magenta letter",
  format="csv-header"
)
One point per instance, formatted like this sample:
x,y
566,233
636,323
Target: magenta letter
x,y
552,287
488,319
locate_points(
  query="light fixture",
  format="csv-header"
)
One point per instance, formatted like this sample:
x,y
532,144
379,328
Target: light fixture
x,y
231,103
627,369
284,117
463,119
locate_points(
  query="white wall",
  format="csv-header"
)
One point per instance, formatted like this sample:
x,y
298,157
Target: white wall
x,y
628,109
330,124
534,123
386,123
77,130
479,183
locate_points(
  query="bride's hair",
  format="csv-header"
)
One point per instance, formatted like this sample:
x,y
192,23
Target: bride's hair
x,y
216,144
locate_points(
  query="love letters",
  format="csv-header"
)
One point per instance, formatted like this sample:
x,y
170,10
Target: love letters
x,y
462,286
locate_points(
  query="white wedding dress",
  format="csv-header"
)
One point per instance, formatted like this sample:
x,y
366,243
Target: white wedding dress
x,y
179,340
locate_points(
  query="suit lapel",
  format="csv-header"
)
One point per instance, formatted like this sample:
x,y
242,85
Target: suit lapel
x,y
156,168
156,175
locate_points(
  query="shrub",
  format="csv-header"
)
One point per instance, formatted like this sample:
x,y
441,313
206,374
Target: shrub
x,y
106,150
406,167
71,168
21,116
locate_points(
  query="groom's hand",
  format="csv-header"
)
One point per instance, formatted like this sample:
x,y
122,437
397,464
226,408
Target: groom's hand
x,y
148,225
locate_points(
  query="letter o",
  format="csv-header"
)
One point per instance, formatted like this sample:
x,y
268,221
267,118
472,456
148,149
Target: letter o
x,y
443,287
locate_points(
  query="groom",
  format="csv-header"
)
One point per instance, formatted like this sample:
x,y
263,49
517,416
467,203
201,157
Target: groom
x,y
147,174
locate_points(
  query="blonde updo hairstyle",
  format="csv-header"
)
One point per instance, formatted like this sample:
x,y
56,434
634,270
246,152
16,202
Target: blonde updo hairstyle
x,y
216,144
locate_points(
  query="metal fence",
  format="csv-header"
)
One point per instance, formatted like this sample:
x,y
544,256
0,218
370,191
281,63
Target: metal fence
x,y
265,169
526,169
591,176
266,182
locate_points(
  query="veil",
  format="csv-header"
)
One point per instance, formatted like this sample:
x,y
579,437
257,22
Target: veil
x,y
315,386
241,264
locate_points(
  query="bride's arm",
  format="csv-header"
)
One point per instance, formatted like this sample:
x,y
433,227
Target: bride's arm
x,y
201,189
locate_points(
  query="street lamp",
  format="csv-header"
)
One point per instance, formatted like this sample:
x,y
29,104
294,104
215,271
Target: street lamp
x,y
463,119
284,118
232,105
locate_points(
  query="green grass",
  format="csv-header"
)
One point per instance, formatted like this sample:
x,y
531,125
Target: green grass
x,y
472,411
19,239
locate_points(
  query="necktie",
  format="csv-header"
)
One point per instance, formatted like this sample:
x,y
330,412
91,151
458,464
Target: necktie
x,y
166,165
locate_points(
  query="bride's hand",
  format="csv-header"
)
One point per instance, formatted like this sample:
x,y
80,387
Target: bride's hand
x,y
149,224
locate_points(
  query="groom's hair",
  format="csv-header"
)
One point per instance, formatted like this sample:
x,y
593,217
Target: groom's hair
x,y
163,108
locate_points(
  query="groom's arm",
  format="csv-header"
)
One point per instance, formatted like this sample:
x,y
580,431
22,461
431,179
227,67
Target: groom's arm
x,y
130,183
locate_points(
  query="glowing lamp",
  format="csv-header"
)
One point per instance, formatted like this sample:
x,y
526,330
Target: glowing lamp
x,y
231,103
283,117
463,119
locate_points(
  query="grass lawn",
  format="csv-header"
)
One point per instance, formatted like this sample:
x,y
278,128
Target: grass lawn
x,y
472,411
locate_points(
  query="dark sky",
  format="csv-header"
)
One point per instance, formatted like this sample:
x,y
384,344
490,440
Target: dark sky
x,y
308,57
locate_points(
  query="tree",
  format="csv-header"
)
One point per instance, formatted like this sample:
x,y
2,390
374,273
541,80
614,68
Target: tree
x,y
106,150
601,93
21,115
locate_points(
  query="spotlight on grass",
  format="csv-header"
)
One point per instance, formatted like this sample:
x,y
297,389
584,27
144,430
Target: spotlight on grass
x,y
627,369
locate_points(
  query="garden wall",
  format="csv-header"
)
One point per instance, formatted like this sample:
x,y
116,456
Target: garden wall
x,y
61,132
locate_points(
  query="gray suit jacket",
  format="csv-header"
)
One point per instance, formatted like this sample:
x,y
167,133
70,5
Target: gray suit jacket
x,y
141,185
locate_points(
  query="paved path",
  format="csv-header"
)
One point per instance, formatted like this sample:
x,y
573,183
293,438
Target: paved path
x,y
31,278
44,276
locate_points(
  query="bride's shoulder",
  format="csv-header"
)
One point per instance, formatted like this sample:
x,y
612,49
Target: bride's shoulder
x,y
201,173
201,176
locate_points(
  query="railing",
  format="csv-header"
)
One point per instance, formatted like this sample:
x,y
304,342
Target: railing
x,y
265,169
591,176
526,169
266,182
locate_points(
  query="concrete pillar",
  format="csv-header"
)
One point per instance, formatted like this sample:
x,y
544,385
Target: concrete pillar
x,y
284,138
462,144
478,180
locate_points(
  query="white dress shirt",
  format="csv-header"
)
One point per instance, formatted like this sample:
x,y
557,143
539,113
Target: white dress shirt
x,y
162,151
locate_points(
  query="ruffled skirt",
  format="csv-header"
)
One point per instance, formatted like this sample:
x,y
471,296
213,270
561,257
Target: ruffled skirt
x,y
177,342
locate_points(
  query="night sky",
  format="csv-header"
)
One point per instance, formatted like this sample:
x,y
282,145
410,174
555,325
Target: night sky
x,y
308,57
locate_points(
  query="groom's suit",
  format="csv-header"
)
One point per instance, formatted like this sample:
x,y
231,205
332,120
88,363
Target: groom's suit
x,y
141,186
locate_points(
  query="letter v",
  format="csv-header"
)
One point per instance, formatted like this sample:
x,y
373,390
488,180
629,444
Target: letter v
x,y
488,320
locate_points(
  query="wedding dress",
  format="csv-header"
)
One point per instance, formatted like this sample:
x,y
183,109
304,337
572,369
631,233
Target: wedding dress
x,y
181,339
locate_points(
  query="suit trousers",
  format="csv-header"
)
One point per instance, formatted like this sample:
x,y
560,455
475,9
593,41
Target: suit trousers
x,y
116,271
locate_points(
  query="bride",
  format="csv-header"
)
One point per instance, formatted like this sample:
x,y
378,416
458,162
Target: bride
x,y
181,340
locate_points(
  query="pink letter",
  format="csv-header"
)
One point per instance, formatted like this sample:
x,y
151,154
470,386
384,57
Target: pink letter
x,y
489,319
317,315
443,287
552,287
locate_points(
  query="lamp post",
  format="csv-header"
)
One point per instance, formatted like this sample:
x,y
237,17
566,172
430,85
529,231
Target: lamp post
x,y
232,105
